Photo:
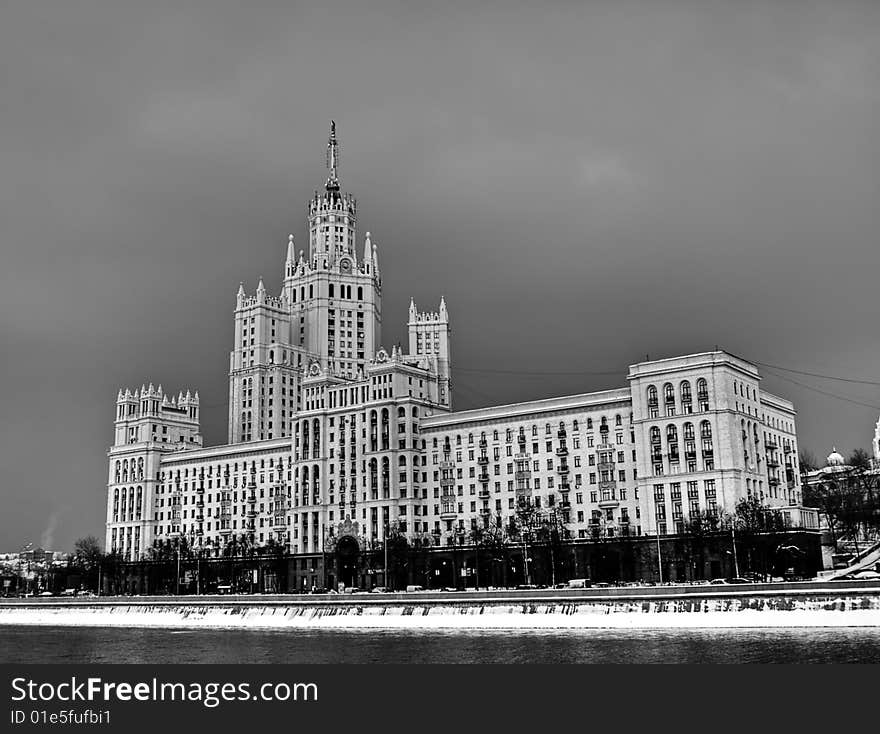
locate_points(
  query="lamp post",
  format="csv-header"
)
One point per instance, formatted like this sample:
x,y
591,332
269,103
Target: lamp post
x,y
657,532
733,543
385,544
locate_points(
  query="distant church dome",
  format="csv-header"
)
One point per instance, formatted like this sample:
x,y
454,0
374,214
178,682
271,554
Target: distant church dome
x,y
835,459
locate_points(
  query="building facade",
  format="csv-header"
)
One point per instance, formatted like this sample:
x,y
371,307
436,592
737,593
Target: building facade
x,y
333,439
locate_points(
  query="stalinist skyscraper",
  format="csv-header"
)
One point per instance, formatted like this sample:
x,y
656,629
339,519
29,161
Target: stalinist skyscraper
x,y
334,439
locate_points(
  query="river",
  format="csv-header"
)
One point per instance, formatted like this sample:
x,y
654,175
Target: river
x,y
22,645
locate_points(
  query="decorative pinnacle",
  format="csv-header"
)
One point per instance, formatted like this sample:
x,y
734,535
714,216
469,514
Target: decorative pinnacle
x,y
332,159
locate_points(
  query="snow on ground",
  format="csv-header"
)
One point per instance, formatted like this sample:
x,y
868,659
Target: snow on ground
x,y
850,611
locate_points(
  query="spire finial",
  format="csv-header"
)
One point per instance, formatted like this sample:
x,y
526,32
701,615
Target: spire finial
x,y
332,158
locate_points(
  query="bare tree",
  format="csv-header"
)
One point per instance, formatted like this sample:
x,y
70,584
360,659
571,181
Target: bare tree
x,y
807,461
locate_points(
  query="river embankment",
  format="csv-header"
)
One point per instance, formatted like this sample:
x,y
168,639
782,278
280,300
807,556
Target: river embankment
x,y
801,604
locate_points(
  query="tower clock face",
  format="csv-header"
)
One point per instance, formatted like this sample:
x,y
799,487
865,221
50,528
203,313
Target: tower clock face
x,y
345,266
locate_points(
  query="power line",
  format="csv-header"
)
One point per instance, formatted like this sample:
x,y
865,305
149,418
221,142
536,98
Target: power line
x,y
615,373
825,392
816,374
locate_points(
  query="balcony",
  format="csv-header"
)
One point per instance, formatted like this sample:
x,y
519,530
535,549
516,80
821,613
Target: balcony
x,y
787,448
770,443
484,478
772,462
562,451
483,494
609,465
482,460
773,481
562,469
485,511
448,515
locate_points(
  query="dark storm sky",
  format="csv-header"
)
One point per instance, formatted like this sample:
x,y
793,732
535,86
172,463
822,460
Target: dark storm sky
x,y
585,182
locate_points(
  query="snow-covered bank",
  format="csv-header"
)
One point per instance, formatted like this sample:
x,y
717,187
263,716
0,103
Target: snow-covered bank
x,y
819,611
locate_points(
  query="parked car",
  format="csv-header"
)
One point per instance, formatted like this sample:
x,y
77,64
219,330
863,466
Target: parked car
x,y
734,580
379,590
415,587
864,575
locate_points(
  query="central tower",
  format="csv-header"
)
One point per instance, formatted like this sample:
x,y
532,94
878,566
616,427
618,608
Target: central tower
x,y
333,295
328,312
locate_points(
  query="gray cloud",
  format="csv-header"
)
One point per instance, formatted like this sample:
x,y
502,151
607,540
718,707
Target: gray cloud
x,y
585,183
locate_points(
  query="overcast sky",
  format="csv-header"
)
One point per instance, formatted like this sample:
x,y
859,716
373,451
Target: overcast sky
x,y
585,182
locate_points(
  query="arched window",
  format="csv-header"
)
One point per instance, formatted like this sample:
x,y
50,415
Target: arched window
x,y
401,412
703,394
331,290
685,391
705,430
589,424
617,420
652,395
574,425
671,433
688,431
668,394
655,434
360,293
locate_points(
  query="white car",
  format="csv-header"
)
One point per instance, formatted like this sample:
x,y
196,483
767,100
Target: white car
x,y
866,575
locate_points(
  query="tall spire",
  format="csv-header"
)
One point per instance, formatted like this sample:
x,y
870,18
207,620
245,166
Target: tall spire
x,y
332,159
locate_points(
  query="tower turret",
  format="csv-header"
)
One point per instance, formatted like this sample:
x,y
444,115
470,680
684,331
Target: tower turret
x,y
429,338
